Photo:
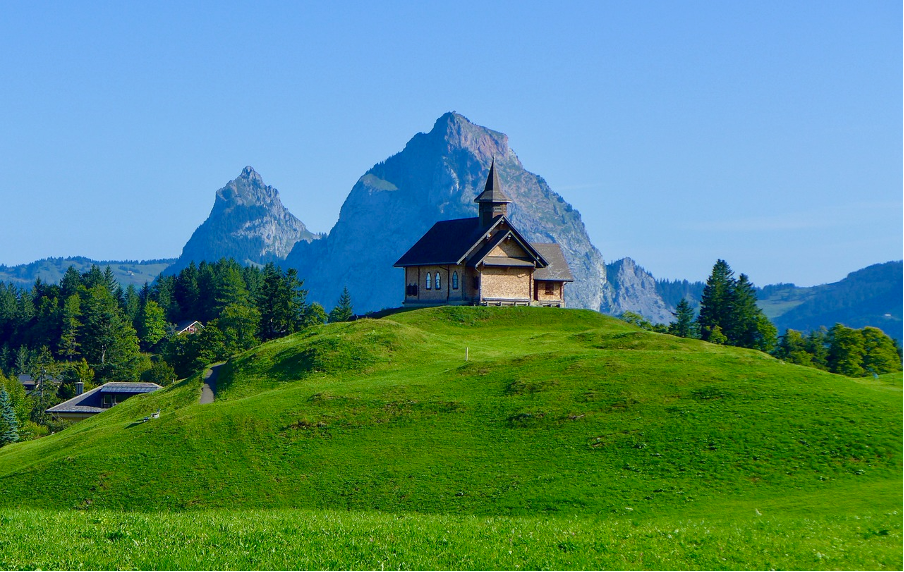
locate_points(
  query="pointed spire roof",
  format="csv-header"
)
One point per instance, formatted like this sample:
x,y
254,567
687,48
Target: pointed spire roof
x,y
492,191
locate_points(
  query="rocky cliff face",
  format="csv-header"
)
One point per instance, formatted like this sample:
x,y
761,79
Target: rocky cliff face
x,y
248,222
634,290
436,177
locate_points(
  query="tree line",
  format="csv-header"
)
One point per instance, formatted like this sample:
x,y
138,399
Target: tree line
x,y
729,315
88,329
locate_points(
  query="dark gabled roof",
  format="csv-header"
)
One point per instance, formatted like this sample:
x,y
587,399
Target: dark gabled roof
x,y
457,240
129,387
78,403
557,269
184,324
492,191
445,243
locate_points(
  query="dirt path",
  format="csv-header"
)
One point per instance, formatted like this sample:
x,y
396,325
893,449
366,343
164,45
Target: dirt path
x,y
210,383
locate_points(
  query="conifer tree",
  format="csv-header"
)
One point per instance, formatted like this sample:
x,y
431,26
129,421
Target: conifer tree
x,y
684,325
716,302
69,344
343,311
9,425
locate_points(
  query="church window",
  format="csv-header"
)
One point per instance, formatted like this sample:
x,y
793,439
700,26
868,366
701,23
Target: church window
x,y
429,284
550,289
455,280
437,281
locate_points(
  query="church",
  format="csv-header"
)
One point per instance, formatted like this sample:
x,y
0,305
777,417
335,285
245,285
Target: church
x,y
483,261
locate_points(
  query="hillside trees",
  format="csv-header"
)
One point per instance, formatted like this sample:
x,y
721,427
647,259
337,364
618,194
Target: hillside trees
x,y
684,325
9,425
729,314
842,350
343,310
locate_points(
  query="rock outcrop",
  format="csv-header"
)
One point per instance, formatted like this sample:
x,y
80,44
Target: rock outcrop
x,y
634,290
248,222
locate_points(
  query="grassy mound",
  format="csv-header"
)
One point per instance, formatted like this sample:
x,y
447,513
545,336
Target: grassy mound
x,y
555,414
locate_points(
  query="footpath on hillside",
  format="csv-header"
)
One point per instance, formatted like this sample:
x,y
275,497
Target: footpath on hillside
x,y
210,383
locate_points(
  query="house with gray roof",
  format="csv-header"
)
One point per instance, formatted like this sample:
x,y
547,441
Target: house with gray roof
x,y
99,399
483,260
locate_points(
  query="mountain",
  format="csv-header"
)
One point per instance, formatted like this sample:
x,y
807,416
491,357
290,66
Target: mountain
x,y
635,290
868,297
51,270
436,177
248,222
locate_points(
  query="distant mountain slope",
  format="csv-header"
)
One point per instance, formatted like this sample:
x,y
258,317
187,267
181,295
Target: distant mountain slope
x,y
871,296
635,290
436,177
248,222
51,270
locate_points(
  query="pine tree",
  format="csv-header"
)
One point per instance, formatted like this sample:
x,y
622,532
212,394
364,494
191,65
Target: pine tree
x,y
716,302
9,425
684,325
343,311
69,344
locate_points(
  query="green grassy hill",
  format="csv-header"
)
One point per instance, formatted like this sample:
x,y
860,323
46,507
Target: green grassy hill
x,y
555,414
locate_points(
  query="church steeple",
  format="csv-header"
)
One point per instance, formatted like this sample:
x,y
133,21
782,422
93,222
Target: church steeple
x,y
492,202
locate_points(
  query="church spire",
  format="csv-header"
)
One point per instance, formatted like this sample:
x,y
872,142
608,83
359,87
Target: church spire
x,y
492,201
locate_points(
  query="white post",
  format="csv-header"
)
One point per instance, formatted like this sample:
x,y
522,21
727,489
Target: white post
x,y
466,353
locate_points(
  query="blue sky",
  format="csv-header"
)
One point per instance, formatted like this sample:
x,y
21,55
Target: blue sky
x,y
765,133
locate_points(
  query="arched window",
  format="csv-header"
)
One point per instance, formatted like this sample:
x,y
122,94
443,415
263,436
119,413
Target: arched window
x,y
455,280
437,280
429,281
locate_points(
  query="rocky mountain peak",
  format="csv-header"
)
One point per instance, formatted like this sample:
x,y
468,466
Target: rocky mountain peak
x,y
248,222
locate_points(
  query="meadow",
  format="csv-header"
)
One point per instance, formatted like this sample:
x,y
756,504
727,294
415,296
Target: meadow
x,y
474,438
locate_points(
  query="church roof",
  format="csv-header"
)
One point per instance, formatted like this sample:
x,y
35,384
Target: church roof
x,y
454,241
447,242
482,255
557,269
492,191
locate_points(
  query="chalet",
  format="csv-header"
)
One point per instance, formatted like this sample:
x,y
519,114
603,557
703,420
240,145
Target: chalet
x,y
483,261
95,401
188,327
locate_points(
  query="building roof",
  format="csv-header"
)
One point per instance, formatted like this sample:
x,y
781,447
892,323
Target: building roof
x,y
492,191
557,269
445,243
129,387
454,241
185,324
83,403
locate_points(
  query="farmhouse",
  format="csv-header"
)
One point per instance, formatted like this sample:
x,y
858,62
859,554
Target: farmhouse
x,y
95,401
483,261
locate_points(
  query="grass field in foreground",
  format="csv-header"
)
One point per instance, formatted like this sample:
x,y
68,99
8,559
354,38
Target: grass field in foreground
x,y
763,539
557,417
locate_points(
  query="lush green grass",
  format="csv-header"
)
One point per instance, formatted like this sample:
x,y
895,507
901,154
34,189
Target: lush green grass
x,y
769,537
556,416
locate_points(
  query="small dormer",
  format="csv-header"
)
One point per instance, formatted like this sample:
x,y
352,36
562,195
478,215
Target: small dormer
x,y
492,202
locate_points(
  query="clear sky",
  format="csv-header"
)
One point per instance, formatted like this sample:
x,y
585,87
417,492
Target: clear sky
x,y
765,133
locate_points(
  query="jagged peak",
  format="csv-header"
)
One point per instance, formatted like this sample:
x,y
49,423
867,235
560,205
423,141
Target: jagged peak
x,y
250,174
458,131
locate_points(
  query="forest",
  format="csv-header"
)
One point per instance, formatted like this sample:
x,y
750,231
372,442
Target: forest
x,y
88,329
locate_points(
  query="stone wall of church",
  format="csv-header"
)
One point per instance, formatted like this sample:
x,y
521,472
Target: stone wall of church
x,y
506,282
541,287
418,275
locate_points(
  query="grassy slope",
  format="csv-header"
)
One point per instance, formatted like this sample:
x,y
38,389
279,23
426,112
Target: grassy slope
x,y
558,414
